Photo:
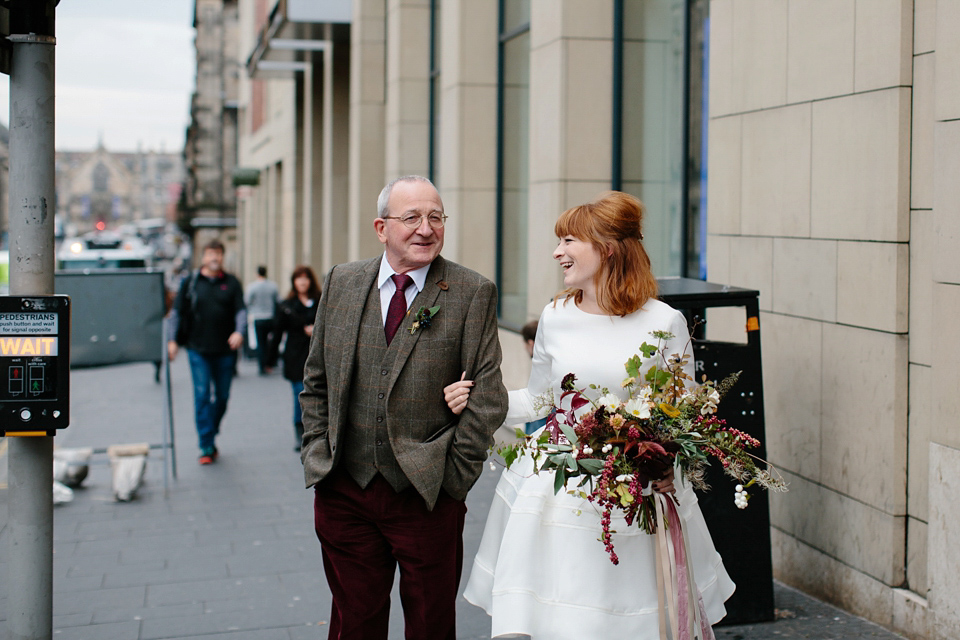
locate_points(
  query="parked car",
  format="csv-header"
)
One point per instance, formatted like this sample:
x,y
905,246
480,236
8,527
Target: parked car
x,y
103,250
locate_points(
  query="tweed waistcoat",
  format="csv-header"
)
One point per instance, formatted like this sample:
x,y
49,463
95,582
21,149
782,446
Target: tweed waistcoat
x,y
366,444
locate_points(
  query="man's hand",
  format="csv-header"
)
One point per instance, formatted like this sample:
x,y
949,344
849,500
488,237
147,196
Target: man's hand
x,y
235,341
172,349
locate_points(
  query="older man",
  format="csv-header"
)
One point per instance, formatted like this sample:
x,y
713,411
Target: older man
x,y
391,465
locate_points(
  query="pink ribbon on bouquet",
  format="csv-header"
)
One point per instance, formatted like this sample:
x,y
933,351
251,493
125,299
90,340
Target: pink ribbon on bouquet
x,y
675,580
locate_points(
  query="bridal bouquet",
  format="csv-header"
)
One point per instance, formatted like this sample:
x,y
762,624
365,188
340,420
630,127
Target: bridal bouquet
x,y
619,447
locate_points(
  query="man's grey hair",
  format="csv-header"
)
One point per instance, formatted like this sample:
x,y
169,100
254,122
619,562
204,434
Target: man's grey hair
x,y
384,197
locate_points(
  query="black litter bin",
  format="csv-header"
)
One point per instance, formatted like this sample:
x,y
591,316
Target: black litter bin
x,y
741,536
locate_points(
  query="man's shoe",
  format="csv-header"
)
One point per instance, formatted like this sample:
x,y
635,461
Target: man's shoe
x,y
209,456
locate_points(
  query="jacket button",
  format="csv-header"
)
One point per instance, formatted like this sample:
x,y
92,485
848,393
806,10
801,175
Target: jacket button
x,y
379,442
380,396
379,418
383,372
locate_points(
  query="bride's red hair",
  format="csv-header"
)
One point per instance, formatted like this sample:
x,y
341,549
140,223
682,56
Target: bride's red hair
x,y
614,226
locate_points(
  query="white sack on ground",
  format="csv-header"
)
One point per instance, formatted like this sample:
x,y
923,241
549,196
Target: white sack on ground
x,y
61,493
128,464
71,466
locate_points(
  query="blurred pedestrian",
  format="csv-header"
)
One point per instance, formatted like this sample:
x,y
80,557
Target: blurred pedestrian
x,y
294,318
261,300
208,318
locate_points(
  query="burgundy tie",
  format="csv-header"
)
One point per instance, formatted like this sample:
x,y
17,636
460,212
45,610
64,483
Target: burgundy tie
x,y
398,305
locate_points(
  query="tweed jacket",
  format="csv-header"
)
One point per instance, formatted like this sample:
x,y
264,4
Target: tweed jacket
x,y
434,448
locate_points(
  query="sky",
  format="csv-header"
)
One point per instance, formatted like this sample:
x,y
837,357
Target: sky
x,y
125,71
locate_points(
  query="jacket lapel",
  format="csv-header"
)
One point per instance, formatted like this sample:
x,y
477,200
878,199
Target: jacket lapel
x,y
357,289
404,340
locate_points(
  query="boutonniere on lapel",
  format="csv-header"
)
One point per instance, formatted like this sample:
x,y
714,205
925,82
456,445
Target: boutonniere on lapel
x,y
423,318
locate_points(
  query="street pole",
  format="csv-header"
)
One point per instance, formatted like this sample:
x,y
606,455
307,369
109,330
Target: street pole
x,y
32,208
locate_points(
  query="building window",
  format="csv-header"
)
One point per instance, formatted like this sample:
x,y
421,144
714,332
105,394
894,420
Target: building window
x,y
513,100
434,142
659,120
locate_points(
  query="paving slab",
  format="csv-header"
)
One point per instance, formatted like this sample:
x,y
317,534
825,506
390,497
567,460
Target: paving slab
x,y
228,550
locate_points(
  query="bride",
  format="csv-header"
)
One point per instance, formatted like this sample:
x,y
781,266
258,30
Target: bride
x,y
540,569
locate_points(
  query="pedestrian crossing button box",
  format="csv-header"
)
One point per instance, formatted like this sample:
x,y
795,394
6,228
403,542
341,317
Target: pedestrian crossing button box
x,y
34,364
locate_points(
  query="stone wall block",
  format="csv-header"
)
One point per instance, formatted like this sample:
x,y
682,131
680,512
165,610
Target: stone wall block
x,y
471,56
718,258
722,98
861,159
924,26
945,399
547,200
792,369
723,186
923,243
805,278
864,434
587,108
409,101
946,201
921,146
911,614
917,556
820,53
476,229
872,285
944,531
803,567
759,54
918,444
586,18
775,174
751,266
947,46
477,134
546,22
884,44
547,148
858,535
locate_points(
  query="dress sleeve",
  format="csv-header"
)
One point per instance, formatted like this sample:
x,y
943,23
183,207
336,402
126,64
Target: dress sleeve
x,y
521,407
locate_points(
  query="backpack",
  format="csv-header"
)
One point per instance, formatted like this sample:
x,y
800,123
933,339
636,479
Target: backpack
x,y
185,325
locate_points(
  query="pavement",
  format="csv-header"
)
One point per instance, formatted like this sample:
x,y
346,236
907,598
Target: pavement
x,y
228,552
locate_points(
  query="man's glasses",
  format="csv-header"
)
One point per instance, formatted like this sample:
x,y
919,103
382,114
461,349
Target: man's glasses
x,y
413,220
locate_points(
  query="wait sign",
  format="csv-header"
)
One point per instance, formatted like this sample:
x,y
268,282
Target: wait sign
x,y
34,364
28,346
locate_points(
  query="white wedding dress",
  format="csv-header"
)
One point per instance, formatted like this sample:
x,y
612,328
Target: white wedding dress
x,y
540,569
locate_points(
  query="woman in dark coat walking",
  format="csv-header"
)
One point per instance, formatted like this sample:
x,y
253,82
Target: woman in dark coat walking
x,y
294,318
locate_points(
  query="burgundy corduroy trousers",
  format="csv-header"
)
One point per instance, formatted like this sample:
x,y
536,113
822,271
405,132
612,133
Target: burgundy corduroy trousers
x,y
364,534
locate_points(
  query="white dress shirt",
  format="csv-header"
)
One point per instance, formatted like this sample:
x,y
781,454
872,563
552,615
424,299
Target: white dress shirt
x,y
387,288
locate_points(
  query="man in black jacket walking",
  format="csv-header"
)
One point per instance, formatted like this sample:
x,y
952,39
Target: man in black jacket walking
x,y
208,318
